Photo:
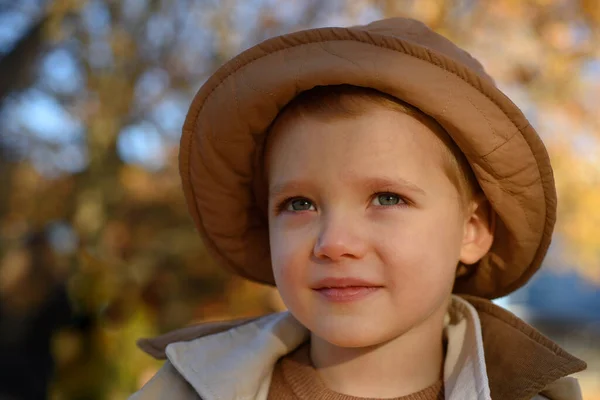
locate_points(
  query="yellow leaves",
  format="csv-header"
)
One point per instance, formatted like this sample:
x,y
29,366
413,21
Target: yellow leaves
x,y
429,12
14,268
115,94
89,216
66,6
25,184
582,231
53,201
116,238
67,346
103,128
95,283
247,298
142,186
104,288
241,298
122,44
591,10
578,218
507,8
55,29
139,184
559,35
106,357
33,200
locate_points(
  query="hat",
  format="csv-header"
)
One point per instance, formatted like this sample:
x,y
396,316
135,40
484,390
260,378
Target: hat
x,y
225,127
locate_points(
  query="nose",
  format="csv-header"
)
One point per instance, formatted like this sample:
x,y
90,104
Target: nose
x,y
339,239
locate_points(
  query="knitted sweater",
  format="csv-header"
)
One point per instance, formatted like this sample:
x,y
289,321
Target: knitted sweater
x,y
295,378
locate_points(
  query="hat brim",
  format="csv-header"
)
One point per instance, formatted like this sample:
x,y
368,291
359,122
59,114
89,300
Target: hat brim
x,y
225,130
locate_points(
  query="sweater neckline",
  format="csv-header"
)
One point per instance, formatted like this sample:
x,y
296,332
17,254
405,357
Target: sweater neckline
x,y
300,374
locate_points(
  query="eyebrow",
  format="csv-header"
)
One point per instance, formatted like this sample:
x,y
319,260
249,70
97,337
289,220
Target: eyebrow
x,y
372,183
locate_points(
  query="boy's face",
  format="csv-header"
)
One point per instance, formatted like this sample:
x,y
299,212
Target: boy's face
x,y
370,201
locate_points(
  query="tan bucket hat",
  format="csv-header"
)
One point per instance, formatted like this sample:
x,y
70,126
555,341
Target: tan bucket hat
x,y
225,129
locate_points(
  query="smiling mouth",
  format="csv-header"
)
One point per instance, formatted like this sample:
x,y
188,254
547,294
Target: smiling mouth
x,y
343,283
346,293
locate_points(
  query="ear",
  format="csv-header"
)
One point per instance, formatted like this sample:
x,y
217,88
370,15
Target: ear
x,y
480,224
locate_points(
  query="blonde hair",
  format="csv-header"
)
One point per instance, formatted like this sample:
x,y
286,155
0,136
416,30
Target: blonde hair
x,y
346,101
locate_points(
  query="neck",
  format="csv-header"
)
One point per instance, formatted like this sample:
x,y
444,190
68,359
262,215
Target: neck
x,y
404,365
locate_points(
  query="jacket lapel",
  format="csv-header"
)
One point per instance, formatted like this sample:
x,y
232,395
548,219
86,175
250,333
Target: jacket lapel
x,y
520,361
237,363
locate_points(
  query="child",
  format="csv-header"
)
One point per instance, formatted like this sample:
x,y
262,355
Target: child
x,y
388,188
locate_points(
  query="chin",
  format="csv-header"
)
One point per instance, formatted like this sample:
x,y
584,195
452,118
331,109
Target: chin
x,y
350,338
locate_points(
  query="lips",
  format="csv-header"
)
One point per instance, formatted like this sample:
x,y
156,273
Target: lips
x,y
343,283
341,290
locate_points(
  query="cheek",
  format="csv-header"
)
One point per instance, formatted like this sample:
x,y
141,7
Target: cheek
x,y
421,251
290,272
289,252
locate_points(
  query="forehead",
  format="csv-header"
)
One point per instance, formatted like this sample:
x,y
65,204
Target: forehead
x,y
377,138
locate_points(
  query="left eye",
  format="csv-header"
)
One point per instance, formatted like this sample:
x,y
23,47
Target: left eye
x,y
387,199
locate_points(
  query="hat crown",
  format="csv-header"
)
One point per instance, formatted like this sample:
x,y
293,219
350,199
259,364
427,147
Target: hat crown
x,y
417,32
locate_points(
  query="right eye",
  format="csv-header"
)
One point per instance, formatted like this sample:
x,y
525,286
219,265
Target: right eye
x,y
298,204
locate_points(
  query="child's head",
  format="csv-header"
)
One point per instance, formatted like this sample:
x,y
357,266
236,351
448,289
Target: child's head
x,y
364,186
328,138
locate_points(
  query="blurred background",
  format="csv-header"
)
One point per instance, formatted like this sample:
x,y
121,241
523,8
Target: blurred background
x,y
96,246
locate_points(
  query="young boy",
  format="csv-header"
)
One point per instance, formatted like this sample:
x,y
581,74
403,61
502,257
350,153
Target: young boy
x,y
379,178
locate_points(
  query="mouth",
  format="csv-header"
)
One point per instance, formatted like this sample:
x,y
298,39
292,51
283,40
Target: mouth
x,y
342,283
341,290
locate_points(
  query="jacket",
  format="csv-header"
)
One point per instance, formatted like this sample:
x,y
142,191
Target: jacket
x,y
491,354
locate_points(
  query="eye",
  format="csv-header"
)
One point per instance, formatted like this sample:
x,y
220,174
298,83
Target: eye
x,y
298,204
388,199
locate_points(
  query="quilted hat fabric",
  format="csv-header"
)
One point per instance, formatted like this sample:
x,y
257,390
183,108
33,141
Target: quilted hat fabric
x,y
225,129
